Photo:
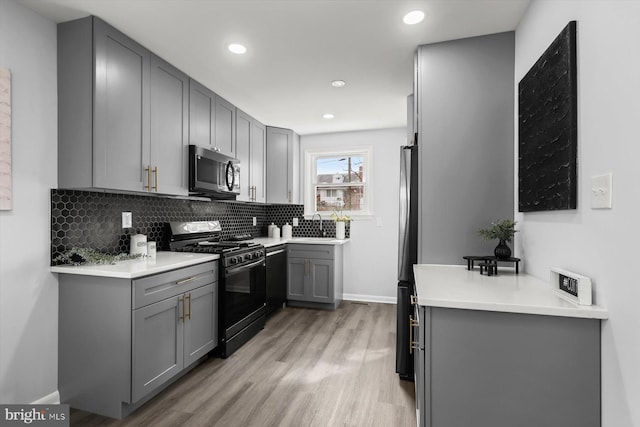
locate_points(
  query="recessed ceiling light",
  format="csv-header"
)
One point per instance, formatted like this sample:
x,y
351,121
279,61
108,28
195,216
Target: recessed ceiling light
x,y
413,17
237,48
338,83
328,116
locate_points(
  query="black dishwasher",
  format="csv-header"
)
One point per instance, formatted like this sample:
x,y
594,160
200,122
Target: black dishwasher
x,y
276,277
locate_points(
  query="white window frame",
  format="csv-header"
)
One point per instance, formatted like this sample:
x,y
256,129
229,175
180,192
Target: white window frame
x,y
310,174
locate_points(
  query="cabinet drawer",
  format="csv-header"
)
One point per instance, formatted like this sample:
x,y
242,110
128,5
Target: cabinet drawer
x,y
150,289
311,251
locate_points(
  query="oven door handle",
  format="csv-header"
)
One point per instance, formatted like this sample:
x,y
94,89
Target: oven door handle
x,y
275,252
242,268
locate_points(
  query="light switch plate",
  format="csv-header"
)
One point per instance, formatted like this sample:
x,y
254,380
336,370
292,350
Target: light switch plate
x,y
601,187
295,222
255,222
127,220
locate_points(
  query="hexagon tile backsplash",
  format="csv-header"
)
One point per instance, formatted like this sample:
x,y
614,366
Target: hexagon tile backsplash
x,y
88,219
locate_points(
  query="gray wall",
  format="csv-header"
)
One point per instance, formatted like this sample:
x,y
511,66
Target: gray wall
x,y
28,291
465,126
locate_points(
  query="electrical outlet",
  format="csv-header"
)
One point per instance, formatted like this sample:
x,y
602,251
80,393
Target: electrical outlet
x,y
295,222
127,220
255,222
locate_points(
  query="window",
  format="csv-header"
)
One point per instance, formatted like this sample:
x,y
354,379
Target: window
x,y
338,181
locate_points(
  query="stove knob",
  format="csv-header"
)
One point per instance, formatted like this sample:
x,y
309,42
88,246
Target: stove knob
x,y
248,256
258,254
233,260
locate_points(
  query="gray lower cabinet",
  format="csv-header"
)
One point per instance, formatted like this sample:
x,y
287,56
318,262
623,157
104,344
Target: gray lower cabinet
x,y
281,156
158,353
163,346
122,341
314,275
212,120
251,150
121,113
486,369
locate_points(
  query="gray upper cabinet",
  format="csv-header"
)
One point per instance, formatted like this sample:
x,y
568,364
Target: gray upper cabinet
x,y
169,94
121,139
202,105
225,118
280,160
250,149
259,161
103,105
212,120
107,138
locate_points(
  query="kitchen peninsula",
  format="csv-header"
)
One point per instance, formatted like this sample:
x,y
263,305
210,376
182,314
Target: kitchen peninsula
x,y
502,350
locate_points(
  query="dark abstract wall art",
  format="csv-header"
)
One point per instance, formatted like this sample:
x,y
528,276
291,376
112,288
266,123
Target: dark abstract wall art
x,y
548,130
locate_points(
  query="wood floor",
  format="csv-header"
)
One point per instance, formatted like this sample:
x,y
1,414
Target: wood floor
x,y
306,368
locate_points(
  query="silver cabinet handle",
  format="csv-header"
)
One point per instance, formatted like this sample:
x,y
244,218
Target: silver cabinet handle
x,y
413,345
182,282
148,171
155,171
181,300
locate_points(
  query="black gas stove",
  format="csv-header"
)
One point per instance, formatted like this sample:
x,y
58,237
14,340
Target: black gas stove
x,y
242,278
206,237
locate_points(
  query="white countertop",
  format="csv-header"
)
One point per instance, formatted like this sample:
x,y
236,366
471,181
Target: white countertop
x,y
132,269
453,286
269,241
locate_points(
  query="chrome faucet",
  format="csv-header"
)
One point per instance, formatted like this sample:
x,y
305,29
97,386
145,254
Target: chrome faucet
x,y
321,231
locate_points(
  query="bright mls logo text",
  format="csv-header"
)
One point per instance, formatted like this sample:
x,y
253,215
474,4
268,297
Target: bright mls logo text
x,y
33,414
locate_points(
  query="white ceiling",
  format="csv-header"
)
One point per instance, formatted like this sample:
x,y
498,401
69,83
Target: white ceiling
x,y
296,48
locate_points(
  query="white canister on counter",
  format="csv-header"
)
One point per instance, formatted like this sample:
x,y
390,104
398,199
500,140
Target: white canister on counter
x,y
151,249
276,232
138,244
287,231
270,229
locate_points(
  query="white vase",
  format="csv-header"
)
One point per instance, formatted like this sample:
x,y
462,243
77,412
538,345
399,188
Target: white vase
x,y
340,230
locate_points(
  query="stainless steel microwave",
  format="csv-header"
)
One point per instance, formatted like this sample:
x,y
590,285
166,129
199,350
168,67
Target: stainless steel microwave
x,y
213,174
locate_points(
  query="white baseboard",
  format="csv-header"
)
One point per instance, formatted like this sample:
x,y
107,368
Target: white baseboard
x,y
369,298
49,399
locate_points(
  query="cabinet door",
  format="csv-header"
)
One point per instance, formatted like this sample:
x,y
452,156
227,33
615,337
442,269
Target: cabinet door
x,y
296,275
419,365
201,115
320,286
201,323
121,110
169,93
225,121
279,165
157,342
259,160
243,152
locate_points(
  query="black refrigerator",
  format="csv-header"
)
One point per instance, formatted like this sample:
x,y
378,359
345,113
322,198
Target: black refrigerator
x,y
407,256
